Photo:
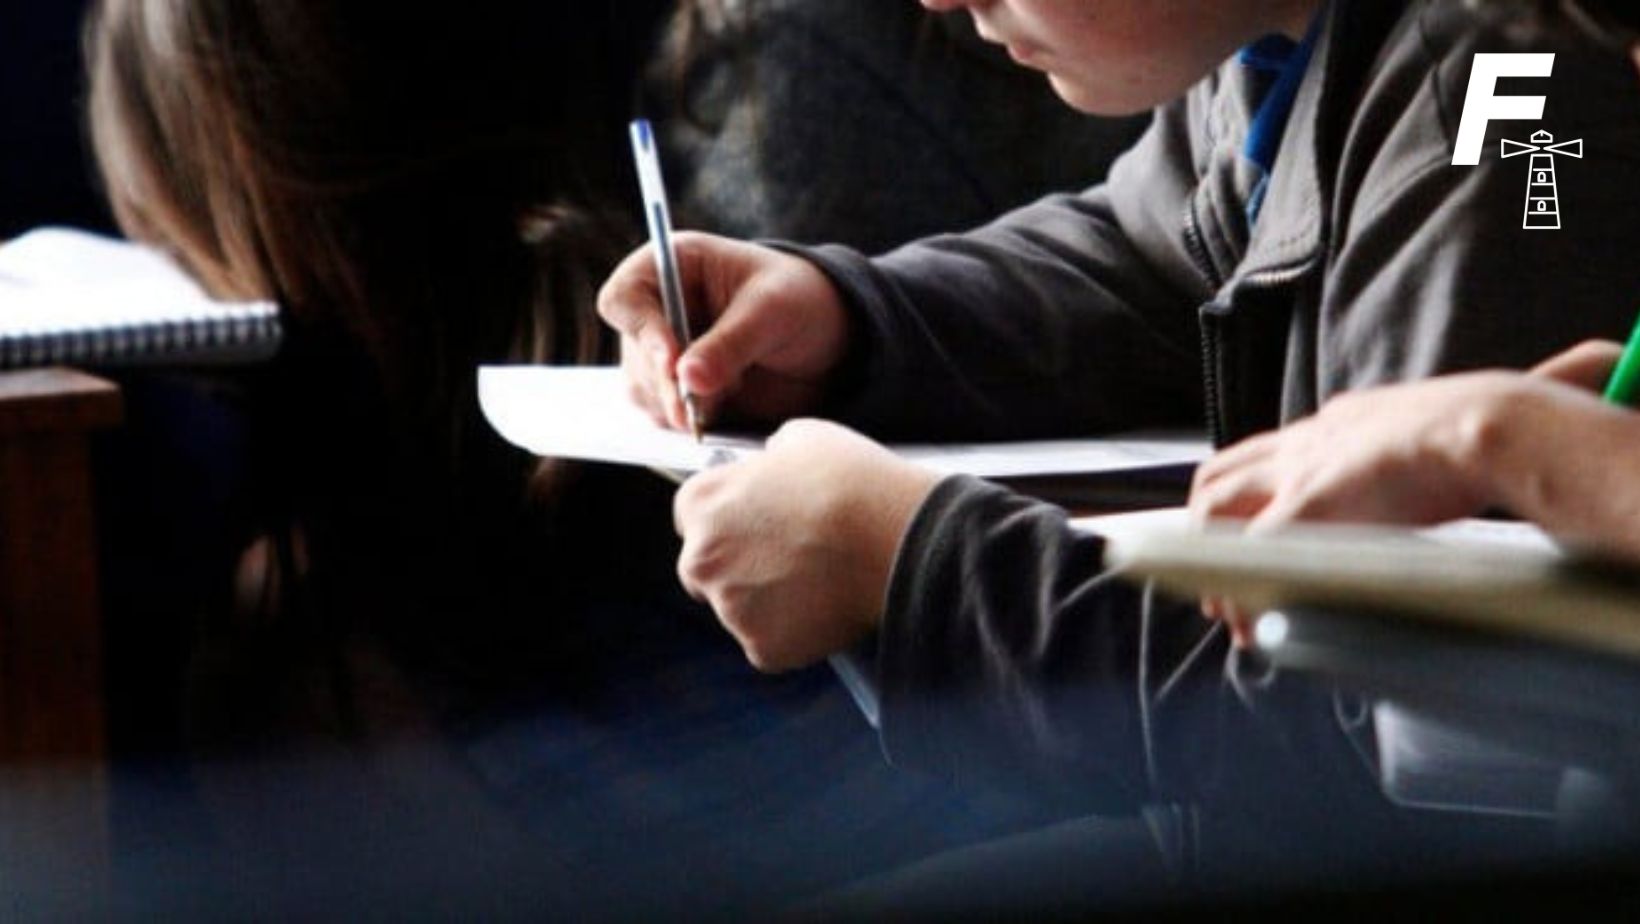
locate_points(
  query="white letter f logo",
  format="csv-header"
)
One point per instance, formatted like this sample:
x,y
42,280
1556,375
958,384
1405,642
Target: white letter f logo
x,y
1483,105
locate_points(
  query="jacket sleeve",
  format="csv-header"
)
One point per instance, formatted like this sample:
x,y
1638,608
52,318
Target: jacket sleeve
x,y
1004,652
1076,314
1009,657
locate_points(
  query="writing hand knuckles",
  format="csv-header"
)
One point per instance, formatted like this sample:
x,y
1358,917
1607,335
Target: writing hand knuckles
x,y
736,605
686,580
702,569
708,556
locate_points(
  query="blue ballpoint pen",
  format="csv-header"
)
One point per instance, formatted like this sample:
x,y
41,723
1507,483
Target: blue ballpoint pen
x,y
659,218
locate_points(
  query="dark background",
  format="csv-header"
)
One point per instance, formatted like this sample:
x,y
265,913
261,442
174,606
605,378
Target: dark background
x,y
45,171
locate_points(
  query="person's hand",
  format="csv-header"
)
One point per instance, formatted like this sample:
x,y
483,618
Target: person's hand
x,y
1397,455
1409,454
1237,620
769,328
1587,365
793,548
1401,454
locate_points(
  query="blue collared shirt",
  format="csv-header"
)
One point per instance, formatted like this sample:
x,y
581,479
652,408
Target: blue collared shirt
x,y
1287,61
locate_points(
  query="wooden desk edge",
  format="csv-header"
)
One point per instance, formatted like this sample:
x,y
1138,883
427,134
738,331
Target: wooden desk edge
x,y
56,400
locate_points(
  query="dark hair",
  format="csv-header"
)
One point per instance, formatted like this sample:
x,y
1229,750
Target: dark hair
x,y
422,190
697,35
703,32
1614,22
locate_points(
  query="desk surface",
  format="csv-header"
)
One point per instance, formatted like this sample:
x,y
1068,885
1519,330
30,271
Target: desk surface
x,y
55,401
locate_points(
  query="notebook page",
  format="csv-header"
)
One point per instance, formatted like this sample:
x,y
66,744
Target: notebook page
x,y
56,255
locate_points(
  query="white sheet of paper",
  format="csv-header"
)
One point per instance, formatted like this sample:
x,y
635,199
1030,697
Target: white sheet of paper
x,y
584,413
60,279
1169,520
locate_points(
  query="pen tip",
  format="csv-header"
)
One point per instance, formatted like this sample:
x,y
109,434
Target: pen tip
x,y
695,426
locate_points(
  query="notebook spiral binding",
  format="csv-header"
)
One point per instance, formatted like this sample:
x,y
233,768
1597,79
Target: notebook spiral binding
x,y
241,333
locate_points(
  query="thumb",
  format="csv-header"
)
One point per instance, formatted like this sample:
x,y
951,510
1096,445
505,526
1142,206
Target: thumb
x,y
1586,365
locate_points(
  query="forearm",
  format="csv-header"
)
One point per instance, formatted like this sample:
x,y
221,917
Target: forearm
x,y
1021,329
1009,657
1075,314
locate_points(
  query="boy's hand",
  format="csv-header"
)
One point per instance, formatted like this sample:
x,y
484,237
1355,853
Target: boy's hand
x,y
1409,454
769,327
1238,621
793,548
1406,454
1587,365
1416,453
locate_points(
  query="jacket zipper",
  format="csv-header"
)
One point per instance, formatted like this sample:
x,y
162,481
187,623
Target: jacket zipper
x,y
1197,249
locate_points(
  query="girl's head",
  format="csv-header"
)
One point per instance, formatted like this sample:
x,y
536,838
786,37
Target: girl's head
x,y
423,188
396,175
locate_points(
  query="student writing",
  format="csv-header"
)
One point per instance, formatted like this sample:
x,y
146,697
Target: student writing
x,y
1197,278
424,193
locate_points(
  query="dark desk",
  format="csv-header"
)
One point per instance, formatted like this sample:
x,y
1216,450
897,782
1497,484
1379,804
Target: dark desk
x,y
53,728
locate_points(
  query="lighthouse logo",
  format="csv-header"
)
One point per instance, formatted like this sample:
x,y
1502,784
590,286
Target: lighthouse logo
x,y
1483,106
1542,195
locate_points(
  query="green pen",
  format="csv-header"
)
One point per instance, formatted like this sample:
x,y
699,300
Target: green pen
x,y
1625,380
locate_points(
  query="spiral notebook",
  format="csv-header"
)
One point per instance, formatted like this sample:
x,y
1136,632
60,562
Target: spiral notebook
x,y
71,297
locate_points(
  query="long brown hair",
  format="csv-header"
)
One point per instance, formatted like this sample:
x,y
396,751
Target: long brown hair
x,y
423,189
361,162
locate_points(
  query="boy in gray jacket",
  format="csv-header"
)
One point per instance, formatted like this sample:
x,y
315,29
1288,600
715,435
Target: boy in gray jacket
x,y
1290,228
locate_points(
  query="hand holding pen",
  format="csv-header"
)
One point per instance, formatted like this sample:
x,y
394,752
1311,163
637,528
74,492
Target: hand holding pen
x,y
775,329
658,216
